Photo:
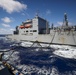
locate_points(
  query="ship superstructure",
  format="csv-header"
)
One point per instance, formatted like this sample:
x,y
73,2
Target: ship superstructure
x,y
34,26
37,29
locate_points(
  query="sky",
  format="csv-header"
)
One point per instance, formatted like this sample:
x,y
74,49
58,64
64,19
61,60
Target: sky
x,y
14,12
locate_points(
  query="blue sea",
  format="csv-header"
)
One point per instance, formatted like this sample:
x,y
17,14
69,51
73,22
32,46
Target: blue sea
x,y
36,61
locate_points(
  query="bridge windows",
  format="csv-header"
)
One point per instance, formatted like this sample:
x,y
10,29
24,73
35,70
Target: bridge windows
x,y
34,30
27,31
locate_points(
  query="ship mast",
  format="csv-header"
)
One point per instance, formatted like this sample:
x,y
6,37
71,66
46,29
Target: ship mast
x,y
37,13
65,20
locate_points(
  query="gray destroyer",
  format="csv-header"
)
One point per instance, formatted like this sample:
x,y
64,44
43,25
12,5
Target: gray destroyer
x,y
37,29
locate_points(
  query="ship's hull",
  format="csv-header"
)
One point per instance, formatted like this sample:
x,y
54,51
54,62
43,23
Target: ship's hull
x,y
62,38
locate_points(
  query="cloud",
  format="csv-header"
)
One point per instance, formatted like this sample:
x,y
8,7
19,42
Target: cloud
x,y
1,30
48,12
70,23
12,6
12,29
6,25
25,14
6,20
61,23
5,31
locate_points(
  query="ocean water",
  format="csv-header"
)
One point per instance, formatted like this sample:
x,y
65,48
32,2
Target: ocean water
x,y
36,61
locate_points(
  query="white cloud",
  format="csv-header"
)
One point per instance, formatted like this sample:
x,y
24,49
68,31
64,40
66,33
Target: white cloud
x,y
5,25
6,20
60,23
5,31
1,30
48,12
12,29
70,23
12,5
25,14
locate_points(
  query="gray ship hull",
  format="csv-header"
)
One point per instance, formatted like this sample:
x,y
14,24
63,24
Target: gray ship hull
x,y
62,38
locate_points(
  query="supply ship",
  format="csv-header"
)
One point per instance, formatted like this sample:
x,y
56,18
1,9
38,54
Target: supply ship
x,y
38,29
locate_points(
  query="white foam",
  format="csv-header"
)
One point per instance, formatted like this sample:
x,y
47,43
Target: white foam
x,y
66,52
26,44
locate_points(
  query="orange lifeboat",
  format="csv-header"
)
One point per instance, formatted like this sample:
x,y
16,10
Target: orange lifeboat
x,y
28,26
22,27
